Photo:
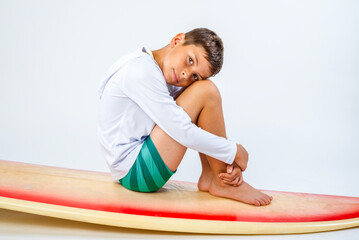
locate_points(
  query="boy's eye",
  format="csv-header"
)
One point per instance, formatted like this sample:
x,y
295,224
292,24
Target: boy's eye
x,y
190,60
195,77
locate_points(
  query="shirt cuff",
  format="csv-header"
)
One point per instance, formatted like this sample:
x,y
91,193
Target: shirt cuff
x,y
234,152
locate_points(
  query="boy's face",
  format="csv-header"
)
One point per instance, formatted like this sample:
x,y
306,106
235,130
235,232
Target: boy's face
x,y
183,65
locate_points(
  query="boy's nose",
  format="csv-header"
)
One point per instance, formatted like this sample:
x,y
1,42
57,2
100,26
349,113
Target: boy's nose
x,y
184,74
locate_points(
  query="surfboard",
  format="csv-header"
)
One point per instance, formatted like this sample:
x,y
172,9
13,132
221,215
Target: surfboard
x,y
94,197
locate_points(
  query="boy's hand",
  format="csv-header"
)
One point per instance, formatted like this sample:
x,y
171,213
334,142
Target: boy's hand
x,y
241,157
233,176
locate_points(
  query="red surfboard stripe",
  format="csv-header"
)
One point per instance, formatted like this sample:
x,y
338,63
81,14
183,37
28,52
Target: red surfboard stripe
x,y
30,196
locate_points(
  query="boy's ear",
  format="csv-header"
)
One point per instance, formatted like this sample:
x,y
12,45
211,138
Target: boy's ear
x,y
179,39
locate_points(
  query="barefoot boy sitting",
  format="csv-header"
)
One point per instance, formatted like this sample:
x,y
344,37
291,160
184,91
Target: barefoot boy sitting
x,y
155,105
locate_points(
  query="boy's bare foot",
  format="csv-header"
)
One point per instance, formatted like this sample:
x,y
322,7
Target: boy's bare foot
x,y
205,181
244,193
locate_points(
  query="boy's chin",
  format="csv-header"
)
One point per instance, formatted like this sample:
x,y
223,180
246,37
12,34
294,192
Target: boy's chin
x,y
171,83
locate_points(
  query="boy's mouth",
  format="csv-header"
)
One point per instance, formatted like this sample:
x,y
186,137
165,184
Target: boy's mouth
x,y
175,76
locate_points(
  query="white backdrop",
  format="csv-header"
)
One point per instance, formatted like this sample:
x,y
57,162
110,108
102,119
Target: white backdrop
x,y
289,84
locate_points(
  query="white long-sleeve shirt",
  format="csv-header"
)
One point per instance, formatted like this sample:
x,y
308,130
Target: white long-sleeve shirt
x,y
134,97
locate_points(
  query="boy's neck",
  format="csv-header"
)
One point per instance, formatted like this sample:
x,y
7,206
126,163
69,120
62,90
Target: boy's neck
x,y
159,55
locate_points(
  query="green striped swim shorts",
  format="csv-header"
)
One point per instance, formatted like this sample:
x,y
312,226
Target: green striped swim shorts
x,y
149,173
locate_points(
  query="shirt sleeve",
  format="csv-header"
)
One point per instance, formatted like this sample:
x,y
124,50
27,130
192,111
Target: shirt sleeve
x,y
142,81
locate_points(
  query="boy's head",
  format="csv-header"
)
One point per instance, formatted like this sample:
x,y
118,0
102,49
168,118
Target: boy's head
x,y
212,45
192,56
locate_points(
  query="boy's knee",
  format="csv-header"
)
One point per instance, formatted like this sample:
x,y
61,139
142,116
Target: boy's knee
x,y
209,89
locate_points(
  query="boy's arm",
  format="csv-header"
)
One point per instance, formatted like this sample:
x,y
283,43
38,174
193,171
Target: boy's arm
x,y
147,87
233,175
241,158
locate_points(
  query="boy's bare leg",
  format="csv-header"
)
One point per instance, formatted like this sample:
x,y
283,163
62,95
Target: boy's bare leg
x,y
202,102
206,177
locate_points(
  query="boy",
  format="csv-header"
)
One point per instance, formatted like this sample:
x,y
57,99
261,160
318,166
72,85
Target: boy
x,y
155,105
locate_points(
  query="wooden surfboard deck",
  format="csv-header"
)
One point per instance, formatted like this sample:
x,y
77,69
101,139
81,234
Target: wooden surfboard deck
x,y
95,198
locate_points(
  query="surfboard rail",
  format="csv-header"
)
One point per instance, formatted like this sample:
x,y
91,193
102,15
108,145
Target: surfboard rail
x,y
94,198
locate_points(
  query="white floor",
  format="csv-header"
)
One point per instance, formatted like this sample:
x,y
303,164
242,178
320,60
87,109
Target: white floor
x,y
16,225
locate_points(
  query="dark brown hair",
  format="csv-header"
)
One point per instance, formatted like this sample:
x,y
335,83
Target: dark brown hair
x,y
212,45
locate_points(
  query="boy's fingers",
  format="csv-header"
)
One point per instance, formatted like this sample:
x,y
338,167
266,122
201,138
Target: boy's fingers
x,y
227,182
229,168
230,175
225,175
221,175
231,181
235,181
240,181
227,179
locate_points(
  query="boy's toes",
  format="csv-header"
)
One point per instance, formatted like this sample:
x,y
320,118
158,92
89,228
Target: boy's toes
x,y
267,199
262,201
256,202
